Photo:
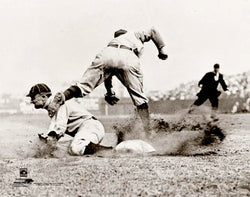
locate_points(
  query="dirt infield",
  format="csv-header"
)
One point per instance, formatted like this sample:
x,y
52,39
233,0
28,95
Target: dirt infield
x,y
220,170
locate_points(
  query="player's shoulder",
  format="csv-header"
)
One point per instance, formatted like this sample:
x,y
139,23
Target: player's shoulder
x,y
73,101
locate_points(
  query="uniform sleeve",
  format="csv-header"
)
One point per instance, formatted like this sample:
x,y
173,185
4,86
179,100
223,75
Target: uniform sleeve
x,y
58,123
151,34
223,83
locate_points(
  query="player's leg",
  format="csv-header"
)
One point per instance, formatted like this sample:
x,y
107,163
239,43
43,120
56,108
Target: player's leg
x,y
198,102
215,104
91,132
132,79
93,76
78,147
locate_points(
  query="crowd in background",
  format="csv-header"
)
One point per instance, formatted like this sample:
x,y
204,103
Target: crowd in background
x,y
239,86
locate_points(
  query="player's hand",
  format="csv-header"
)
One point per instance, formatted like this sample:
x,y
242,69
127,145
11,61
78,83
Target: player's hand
x,y
111,99
58,100
163,53
50,138
43,137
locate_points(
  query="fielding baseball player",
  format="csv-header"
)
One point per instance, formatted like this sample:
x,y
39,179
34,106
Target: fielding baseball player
x,y
121,59
208,85
71,118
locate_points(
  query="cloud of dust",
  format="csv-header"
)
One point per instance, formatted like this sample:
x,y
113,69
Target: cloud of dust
x,y
185,134
33,147
182,134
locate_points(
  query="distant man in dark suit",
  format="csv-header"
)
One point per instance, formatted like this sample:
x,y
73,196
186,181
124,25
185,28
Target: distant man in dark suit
x,y
208,85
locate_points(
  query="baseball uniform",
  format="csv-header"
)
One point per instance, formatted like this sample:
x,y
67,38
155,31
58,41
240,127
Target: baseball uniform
x,y
121,59
73,119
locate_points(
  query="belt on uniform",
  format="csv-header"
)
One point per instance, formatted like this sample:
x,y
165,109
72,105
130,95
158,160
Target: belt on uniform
x,y
124,47
120,46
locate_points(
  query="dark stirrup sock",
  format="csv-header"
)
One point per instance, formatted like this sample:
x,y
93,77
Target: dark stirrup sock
x,y
72,92
143,112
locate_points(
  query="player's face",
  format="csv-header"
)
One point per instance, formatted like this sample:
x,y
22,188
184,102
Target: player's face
x,y
38,101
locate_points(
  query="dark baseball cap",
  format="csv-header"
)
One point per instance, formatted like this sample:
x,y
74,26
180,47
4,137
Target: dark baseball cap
x,y
37,89
120,32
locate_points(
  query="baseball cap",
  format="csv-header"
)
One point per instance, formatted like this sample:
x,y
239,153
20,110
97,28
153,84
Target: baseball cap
x,y
119,32
37,89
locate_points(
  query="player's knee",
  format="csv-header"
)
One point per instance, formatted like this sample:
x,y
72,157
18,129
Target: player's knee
x,y
78,148
74,150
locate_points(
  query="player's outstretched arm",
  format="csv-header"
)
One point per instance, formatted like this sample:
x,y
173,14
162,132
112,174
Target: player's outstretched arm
x,y
154,35
110,97
159,43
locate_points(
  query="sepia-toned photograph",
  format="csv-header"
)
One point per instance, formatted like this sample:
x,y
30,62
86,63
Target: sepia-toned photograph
x,y
124,98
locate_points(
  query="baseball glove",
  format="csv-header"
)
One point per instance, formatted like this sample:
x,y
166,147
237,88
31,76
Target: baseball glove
x,y
58,100
111,99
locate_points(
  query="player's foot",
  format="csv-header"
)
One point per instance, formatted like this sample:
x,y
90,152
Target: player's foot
x,y
93,148
58,100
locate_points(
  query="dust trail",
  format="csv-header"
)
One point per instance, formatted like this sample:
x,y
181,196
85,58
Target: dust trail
x,y
33,147
50,150
185,134
181,134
